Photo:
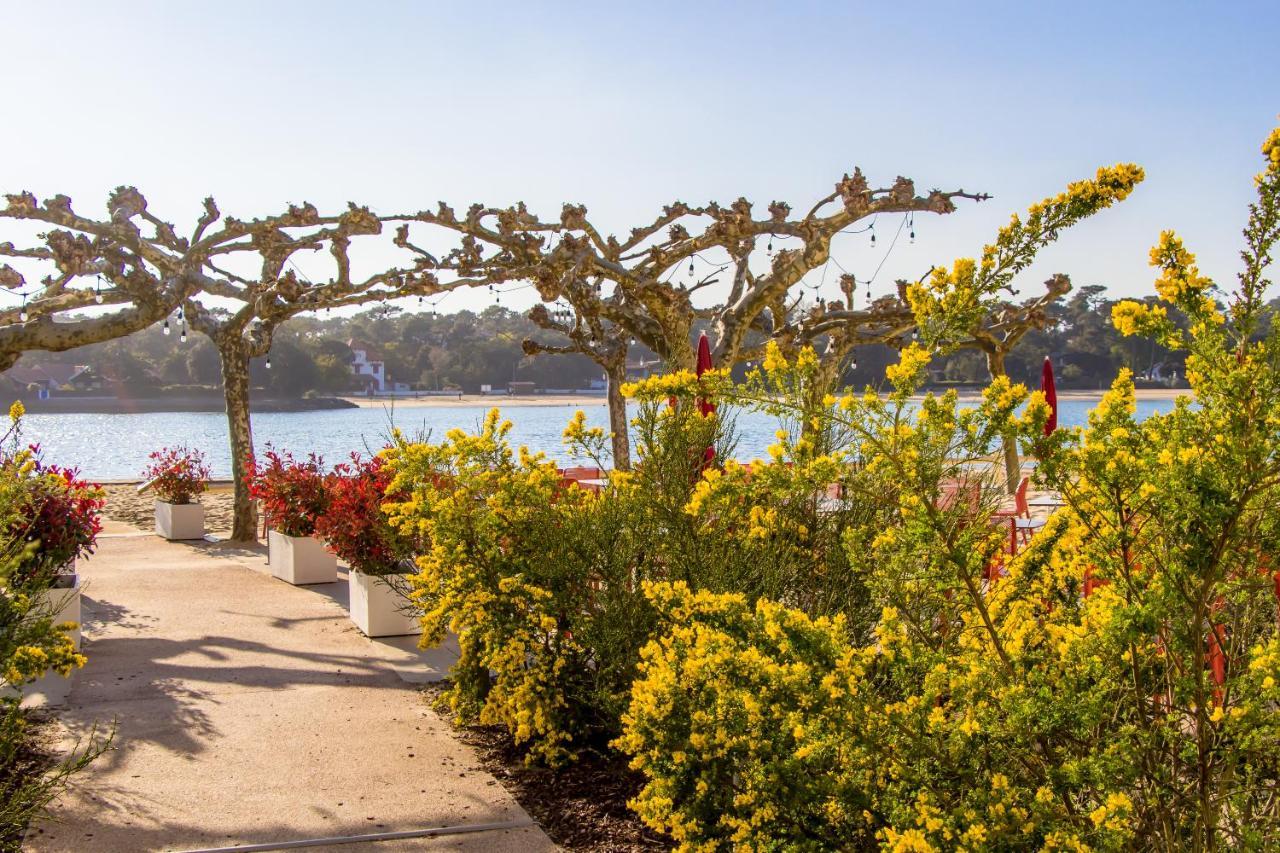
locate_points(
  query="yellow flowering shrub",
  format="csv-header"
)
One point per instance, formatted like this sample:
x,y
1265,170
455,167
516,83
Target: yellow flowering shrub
x,y
1114,686
950,301
31,643
745,722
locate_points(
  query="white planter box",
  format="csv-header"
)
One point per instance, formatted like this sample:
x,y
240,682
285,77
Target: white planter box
x,y
63,605
377,609
300,559
179,521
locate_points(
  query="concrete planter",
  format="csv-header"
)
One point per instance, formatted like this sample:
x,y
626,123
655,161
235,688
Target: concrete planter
x,y
62,603
63,600
379,610
300,559
179,521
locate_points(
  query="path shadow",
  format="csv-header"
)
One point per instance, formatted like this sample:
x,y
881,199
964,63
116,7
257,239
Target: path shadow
x,y
97,613
113,819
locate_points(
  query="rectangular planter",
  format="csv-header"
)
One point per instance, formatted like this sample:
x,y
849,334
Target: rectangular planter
x,y
179,521
63,604
300,559
377,609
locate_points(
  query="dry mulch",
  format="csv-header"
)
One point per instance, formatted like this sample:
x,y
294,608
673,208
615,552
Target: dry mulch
x,y
126,504
582,807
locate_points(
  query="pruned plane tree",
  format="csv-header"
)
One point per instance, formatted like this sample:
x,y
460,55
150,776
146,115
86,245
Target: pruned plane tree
x,y
623,289
87,280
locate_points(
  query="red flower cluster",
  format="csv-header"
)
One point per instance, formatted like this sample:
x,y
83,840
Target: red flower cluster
x,y
177,474
61,515
292,492
355,527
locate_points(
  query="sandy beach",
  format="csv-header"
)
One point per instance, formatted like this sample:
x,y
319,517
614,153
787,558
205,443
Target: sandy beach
x,y
586,401
469,400
126,504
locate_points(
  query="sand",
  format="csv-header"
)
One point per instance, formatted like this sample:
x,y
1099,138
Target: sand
x,y
502,401
587,401
126,504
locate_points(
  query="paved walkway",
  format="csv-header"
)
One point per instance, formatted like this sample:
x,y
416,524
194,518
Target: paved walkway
x,y
252,712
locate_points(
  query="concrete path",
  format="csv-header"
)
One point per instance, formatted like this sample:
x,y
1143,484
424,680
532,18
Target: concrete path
x,y
253,712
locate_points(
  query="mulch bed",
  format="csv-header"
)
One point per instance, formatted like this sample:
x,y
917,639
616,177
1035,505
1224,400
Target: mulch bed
x,y
581,807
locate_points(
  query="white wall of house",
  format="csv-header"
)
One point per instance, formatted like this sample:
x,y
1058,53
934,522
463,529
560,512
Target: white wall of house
x,y
374,371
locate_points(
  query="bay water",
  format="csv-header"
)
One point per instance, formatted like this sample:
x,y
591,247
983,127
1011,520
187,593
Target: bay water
x,y
115,446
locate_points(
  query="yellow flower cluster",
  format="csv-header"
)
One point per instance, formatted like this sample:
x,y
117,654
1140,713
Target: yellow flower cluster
x,y
1180,281
905,375
1135,318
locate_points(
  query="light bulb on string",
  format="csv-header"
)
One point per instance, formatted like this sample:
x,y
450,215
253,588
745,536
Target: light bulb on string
x,y
182,338
97,291
911,223
691,268
872,229
166,326
268,364
22,314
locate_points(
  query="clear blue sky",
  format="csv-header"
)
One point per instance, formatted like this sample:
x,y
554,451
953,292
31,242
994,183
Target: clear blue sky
x,y
625,107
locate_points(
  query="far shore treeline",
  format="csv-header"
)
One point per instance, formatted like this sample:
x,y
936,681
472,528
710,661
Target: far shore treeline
x,y
465,350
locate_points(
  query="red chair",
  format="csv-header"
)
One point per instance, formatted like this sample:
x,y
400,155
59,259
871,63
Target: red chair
x,y
1021,525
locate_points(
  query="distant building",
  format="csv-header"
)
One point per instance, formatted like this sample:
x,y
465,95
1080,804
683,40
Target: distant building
x,y
367,366
642,369
521,388
51,378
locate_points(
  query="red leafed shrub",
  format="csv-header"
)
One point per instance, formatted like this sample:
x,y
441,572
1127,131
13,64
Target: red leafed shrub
x,y
293,492
61,514
177,474
355,527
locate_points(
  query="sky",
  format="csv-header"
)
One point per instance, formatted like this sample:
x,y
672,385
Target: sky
x,y
627,107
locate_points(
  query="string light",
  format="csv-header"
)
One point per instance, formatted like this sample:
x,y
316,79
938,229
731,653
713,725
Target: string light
x,y
268,364
166,325
182,338
97,291
912,225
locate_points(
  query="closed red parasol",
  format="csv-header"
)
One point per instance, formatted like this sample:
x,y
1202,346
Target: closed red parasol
x,y
706,407
1050,395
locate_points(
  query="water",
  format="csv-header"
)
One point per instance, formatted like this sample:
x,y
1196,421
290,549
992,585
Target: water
x,y
115,446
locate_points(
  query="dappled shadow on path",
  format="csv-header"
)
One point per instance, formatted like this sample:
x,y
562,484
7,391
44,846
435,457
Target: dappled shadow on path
x,y
167,681
124,823
98,613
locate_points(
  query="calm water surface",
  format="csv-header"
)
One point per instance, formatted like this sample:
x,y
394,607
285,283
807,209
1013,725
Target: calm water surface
x,y
115,447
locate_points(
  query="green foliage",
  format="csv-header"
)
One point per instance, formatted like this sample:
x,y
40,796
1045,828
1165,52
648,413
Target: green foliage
x,y
536,579
31,643
1114,686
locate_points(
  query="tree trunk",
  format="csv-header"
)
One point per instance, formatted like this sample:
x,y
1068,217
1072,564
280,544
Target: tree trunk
x,y
616,375
1012,466
235,384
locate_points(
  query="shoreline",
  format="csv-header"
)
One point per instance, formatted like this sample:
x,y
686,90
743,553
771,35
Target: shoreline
x,y
586,401
69,406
